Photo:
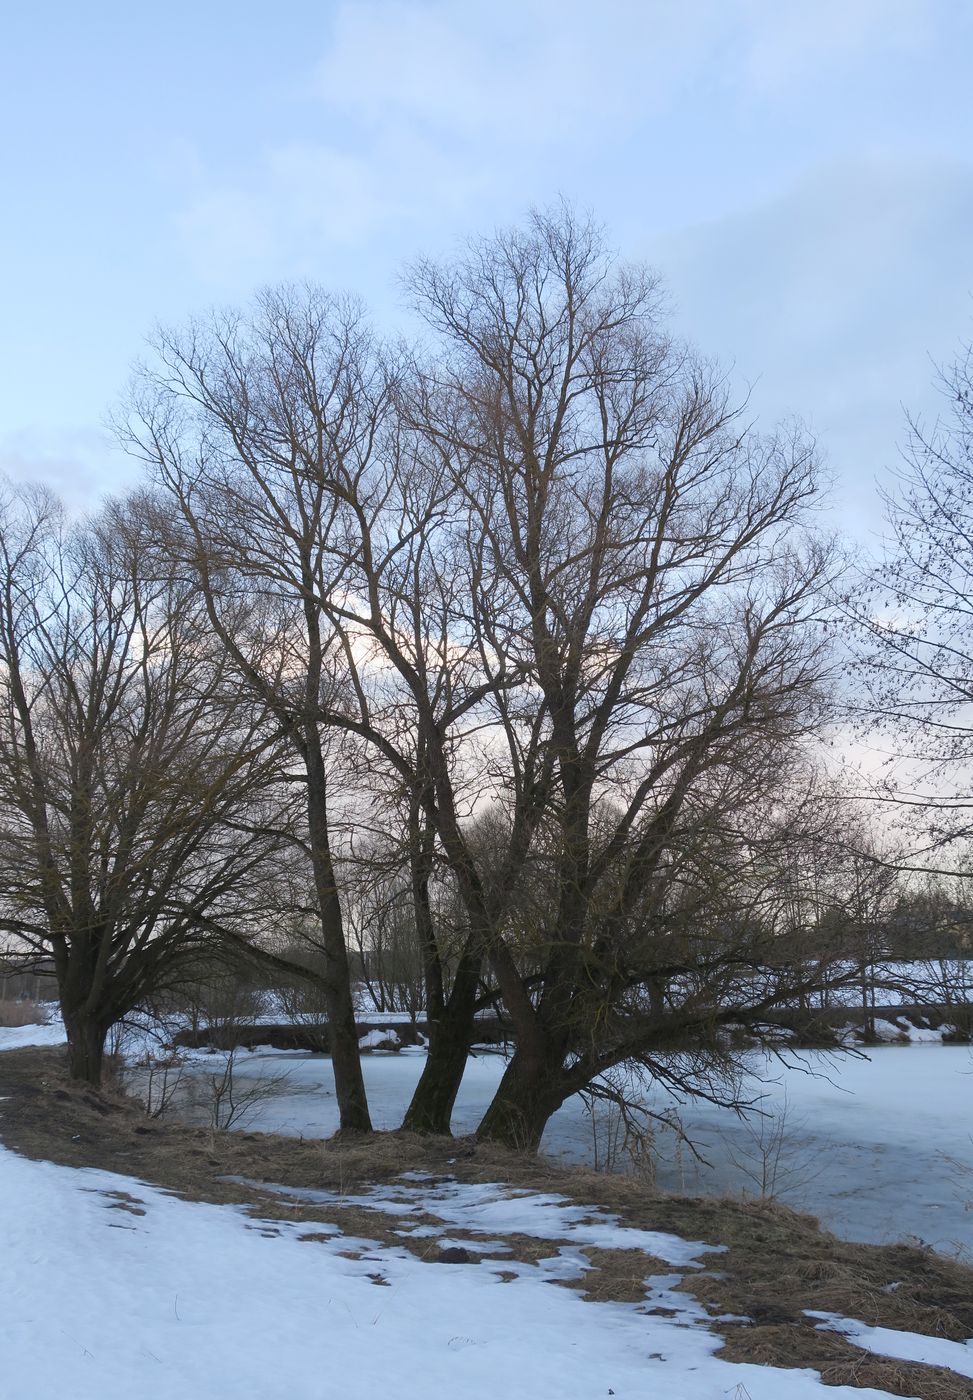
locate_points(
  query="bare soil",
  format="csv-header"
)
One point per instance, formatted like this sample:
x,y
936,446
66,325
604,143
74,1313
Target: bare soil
x,y
776,1264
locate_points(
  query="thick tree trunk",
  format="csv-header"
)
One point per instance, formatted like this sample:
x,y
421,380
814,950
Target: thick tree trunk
x,y
530,1091
86,1047
432,1103
349,1084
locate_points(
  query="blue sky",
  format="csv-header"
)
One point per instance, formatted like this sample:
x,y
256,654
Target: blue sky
x,y
800,173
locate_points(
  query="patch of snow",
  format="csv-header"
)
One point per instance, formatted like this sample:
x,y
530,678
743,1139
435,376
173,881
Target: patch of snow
x,y
492,1209
18,1037
923,1035
889,1031
197,1300
903,1346
888,1127
378,1040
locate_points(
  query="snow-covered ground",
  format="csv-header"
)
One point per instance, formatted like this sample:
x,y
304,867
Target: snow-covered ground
x,y
878,1148
905,1346
18,1037
114,1289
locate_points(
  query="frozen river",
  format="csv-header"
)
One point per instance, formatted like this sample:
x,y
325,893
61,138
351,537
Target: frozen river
x,y
879,1149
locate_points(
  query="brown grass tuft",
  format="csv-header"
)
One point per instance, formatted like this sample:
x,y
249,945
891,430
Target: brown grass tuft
x,y
22,1013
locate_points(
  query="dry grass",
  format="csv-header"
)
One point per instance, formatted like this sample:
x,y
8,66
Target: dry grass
x,y
776,1264
22,1013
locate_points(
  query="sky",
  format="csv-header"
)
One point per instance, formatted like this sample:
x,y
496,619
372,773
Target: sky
x,y
800,174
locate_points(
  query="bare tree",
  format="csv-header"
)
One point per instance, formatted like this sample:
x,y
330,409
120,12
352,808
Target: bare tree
x,y
917,623
278,438
248,422
550,575
587,581
387,942
140,802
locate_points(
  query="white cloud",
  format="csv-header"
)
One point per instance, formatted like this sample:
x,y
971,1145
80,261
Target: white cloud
x,y
227,232
308,201
784,42
834,298
541,69
423,110
79,464
426,119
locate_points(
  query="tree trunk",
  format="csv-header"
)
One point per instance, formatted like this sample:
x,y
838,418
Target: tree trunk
x,y
421,847
86,1047
530,1091
432,1103
349,1084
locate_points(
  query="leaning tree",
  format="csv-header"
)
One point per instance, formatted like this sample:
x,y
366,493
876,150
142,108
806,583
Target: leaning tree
x,y
643,602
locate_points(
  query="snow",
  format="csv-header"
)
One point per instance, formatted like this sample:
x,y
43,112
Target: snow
x,y
492,1209
903,1346
378,1040
19,1037
191,1299
879,1148
164,1298
921,1035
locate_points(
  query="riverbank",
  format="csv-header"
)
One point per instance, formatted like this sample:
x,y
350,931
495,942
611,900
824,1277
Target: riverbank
x,y
747,1281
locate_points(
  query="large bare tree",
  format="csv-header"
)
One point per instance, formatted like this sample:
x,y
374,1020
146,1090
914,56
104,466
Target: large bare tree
x,y
594,585
141,812
916,618
249,423
552,579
